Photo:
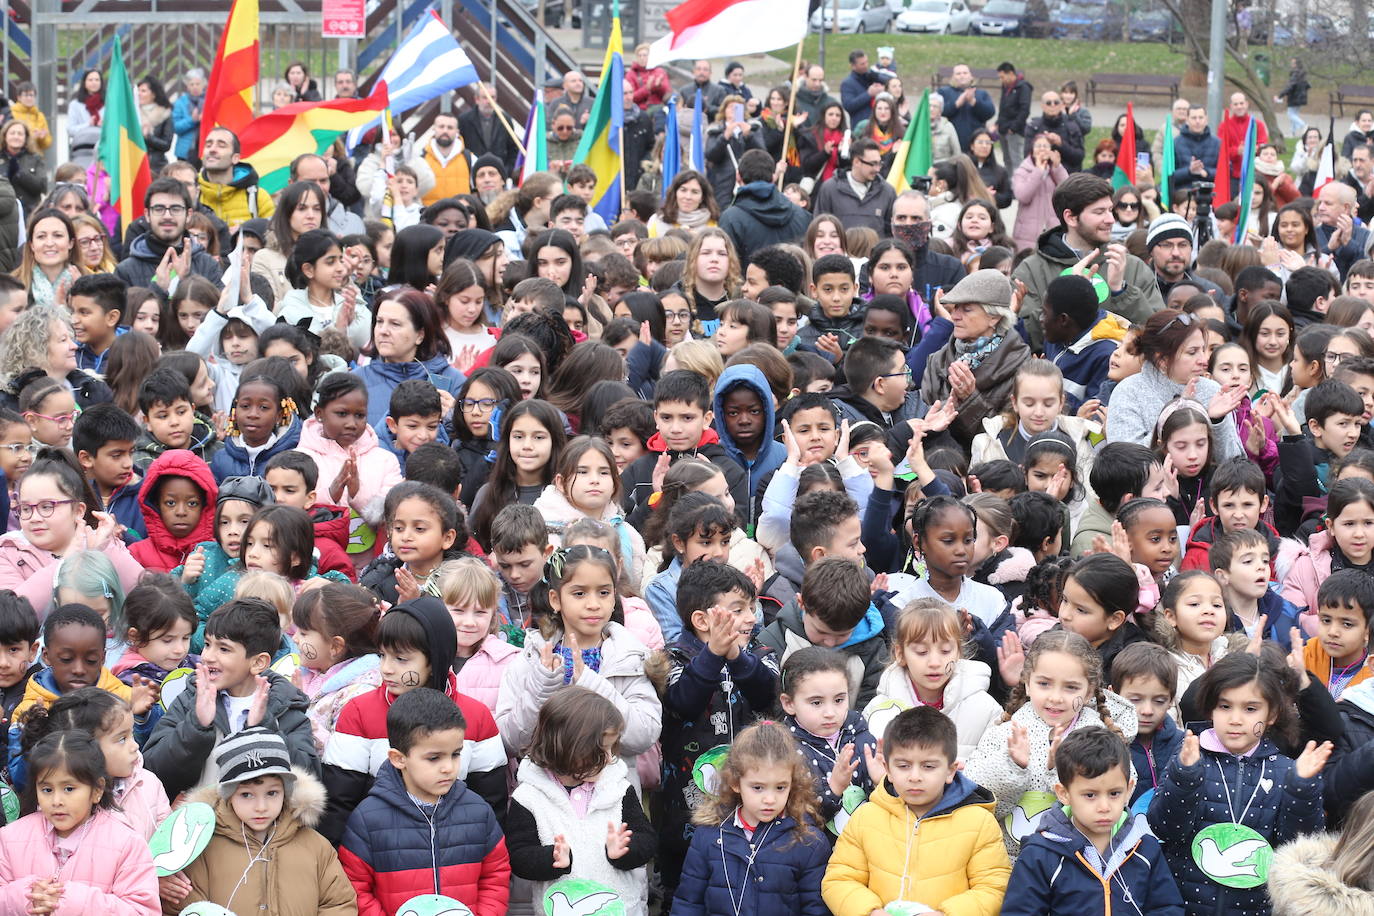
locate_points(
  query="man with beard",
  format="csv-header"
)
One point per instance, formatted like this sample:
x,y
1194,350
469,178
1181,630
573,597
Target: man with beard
x,y
1082,243
488,177
313,168
185,173
1170,246
576,98
450,161
1063,132
165,244
345,85
482,131
228,186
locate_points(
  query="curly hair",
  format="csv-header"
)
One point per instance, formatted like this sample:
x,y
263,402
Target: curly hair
x,y
1071,644
689,271
25,345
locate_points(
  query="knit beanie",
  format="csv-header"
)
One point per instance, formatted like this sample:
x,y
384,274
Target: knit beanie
x,y
249,754
1168,226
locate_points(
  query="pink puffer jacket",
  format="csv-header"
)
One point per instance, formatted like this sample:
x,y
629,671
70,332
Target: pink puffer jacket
x,y
110,873
480,677
142,801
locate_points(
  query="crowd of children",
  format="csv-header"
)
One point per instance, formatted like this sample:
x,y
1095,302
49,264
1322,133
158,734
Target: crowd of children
x,y
724,649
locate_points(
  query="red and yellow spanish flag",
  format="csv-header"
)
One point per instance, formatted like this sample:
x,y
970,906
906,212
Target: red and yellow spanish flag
x,y
274,139
123,155
231,97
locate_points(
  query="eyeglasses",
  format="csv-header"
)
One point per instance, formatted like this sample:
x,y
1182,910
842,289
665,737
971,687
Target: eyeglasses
x,y
44,508
201,237
91,241
677,317
1183,318
167,210
1335,359
62,419
482,404
1124,205
871,163
15,448
906,370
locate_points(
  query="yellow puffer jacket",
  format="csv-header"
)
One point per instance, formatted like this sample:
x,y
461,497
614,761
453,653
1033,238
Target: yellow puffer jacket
x,y
952,860
40,691
231,202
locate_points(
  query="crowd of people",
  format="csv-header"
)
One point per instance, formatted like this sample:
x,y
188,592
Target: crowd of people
x,y
788,538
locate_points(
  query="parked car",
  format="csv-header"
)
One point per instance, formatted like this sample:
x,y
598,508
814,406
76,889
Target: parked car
x,y
1155,25
855,16
944,17
1000,17
1087,20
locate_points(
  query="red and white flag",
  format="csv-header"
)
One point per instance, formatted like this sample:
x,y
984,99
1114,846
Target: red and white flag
x,y
730,28
1326,167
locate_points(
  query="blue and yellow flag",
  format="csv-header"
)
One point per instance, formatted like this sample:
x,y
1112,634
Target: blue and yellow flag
x,y
600,146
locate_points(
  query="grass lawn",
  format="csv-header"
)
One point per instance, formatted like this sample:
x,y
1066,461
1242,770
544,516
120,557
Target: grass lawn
x,y
1046,62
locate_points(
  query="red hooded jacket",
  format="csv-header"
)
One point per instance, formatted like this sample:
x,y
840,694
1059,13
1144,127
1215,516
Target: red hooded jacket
x,y
331,538
161,550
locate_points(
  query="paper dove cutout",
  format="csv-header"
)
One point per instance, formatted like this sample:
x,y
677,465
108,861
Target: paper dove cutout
x,y
562,906
182,838
433,905
1231,862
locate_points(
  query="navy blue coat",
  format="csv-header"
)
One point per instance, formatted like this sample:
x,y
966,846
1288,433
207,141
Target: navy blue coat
x,y
1189,146
1190,798
783,870
1059,871
233,460
1151,762
819,755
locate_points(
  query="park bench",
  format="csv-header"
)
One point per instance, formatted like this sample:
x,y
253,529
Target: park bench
x,y
1354,95
1132,85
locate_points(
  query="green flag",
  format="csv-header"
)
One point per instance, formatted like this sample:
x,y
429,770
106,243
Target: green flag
x,y
913,155
1166,162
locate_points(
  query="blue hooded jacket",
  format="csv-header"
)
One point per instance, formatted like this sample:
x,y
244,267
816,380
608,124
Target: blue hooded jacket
x,y
388,441
233,460
381,378
772,453
1151,762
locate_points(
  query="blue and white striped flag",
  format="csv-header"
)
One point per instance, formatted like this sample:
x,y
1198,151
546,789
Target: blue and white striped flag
x,y
428,63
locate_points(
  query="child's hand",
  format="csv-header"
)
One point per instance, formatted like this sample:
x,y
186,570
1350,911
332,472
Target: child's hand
x,y
721,637
407,586
974,484
173,888
464,358
346,481
349,310
877,765
618,840
1199,511
44,896
1254,435
446,402
842,449
1018,746
562,855
937,305
195,565
1257,641
830,344
879,584
1226,400
1172,473
1191,751
1011,659
1282,413
1060,483
1056,735
789,442
842,773
1295,659
103,533
570,643
144,694
207,699
660,471
1313,759
1088,409
550,661
940,415
258,707
755,573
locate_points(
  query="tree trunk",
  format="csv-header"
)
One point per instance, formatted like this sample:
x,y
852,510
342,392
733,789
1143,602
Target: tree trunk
x,y
1195,16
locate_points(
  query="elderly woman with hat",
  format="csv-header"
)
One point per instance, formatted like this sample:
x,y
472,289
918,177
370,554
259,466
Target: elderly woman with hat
x,y
978,365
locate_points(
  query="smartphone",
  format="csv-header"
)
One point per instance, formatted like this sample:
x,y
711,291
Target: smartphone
x,y
737,112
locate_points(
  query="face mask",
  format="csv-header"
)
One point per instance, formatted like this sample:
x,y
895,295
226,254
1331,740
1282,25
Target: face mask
x,y
916,234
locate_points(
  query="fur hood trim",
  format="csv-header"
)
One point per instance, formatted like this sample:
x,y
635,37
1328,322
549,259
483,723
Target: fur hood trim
x,y
1014,568
305,802
1301,882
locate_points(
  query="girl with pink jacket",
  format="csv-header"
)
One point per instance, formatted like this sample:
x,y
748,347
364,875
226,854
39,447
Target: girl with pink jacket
x,y
336,637
472,592
56,519
74,856
353,464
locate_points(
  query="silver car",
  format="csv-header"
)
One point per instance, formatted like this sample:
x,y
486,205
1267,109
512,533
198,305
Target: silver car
x,y
855,16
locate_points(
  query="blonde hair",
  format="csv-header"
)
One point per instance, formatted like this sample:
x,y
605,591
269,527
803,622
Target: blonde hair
x,y
992,511
107,259
689,269
1350,860
926,620
1031,368
764,744
468,581
276,590
699,356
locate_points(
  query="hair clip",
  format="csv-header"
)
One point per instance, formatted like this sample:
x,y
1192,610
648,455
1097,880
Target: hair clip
x,y
557,562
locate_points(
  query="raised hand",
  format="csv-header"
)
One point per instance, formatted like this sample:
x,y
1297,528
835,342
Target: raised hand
x,y
1060,484
144,693
103,533
660,471
721,635
879,584
789,442
842,448
1011,659
464,358
548,660
1226,401
1295,659
1191,751
937,304
1313,759
407,586
194,566
562,855
570,643
1171,472
1018,746
207,699
1056,736
1116,265
618,840
1254,435
941,414
1256,642
257,708
163,275
877,766
755,573
842,773
1018,295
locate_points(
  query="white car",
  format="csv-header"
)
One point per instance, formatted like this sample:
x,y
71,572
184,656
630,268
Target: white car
x,y
944,17
855,16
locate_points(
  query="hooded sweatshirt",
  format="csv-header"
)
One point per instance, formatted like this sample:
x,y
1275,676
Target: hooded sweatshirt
x,y
161,550
761,216
1061,871
378,469
771,453
239,200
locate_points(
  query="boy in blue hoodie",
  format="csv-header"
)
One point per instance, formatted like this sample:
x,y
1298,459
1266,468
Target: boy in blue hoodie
x,y
103,439
745,421
834,610
1080,337
1146,675
414,418
1092,856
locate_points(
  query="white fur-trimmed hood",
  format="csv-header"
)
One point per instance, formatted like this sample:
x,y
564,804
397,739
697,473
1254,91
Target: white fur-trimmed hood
x,y
1301,882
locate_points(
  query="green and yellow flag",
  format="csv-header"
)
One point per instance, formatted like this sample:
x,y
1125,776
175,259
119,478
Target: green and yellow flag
x,y
913,153
123,154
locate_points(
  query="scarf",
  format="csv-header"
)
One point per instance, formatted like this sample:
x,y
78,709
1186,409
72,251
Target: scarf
x,y
886,139
830,136
46,292
697,219
152,115
94,103
974,352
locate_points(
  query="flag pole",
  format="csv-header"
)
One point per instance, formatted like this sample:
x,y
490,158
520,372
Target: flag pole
x,y
624,191
791,107
486,91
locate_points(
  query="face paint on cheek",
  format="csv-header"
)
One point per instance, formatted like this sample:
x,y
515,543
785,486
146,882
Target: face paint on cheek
x,y
949,670
1077,705
1259,730
307,652
410,679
